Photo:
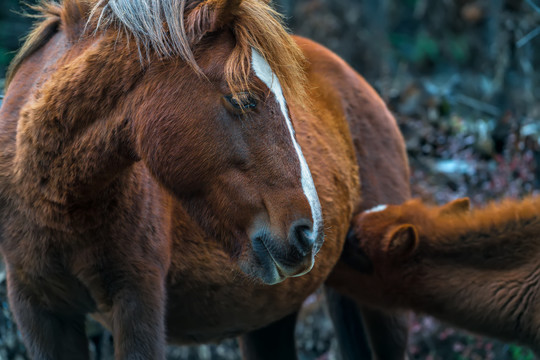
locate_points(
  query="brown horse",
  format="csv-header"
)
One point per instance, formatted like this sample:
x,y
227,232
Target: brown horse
x,y
479,270
151,175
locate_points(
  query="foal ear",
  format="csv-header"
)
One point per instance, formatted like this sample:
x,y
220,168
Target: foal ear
x,y
457,206
402,240
209,16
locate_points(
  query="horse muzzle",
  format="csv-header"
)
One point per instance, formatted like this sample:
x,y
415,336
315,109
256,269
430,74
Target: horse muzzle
x,y
277,259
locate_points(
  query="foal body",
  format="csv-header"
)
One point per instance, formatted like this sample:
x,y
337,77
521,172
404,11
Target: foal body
x,y
478,270
110,204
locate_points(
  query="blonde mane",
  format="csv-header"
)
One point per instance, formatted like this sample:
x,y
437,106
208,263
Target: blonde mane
x,y
43,30
168,27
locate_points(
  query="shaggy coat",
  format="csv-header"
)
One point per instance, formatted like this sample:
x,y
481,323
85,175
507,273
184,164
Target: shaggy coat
x,y
478,270
132,177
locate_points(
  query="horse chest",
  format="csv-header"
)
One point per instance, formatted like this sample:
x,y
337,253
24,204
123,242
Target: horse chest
x,y
56,291
211,312
39,262
47,281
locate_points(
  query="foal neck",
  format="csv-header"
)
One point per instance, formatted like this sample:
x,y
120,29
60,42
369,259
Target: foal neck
x,y
498,236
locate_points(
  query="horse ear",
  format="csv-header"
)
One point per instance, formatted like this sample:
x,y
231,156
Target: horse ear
x,y
457,206
209,16
402,240
74,16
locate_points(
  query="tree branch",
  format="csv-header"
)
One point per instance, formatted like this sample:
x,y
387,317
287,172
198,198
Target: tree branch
x,y
535,7
523,41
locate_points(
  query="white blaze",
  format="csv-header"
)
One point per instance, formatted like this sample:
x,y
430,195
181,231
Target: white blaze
x,y
264,72
377,208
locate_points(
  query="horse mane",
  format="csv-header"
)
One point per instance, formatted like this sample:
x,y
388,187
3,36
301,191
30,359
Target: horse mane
x,y
169,27
49,14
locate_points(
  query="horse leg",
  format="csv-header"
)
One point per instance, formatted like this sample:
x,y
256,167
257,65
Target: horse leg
x,y
48,335
275,341
348,325
388,333
355,325
138,317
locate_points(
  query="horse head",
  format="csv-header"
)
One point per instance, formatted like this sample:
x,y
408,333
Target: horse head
x,y
216,130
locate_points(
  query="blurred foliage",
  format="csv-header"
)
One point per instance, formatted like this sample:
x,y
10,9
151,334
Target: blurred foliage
x,y
13,28
417,49
483,43
520,353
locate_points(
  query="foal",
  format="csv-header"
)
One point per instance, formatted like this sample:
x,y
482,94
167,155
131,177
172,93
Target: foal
x,y
479,270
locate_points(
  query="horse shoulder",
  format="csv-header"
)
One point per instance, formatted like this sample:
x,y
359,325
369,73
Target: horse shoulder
x,y
324,135
378,144
25,83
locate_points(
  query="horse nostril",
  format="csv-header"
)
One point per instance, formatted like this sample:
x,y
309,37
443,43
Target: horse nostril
x,y
301,236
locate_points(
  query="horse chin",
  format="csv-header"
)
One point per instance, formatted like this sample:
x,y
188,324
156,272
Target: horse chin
x,y
272,264
273,277
308,269
263,270
269,271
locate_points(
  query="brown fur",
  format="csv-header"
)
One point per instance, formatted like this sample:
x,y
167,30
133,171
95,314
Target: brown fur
x,y
479,270
122,186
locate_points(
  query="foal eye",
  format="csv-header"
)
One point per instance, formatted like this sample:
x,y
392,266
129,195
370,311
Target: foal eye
x,y
243,102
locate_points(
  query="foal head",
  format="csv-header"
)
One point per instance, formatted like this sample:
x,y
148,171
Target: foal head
x,y
386,238
212,124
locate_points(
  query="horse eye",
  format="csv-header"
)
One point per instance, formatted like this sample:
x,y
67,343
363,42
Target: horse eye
x,y
243,102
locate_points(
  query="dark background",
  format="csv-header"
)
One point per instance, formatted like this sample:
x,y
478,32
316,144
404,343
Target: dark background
x,y
461,77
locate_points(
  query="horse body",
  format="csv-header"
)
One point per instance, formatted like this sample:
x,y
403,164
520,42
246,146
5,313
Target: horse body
x,y
478,270
103,211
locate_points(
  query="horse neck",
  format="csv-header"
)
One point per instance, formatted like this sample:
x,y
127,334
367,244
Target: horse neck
x,y
71,136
